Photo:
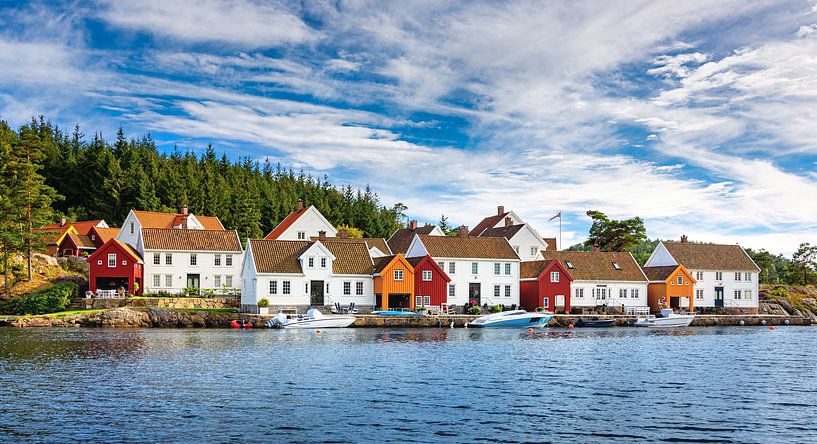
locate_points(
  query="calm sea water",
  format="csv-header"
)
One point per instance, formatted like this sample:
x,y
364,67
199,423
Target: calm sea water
x,y
351,385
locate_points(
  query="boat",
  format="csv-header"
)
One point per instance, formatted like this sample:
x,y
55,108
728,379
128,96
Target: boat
x,y
595,323
512,319
313,319
394,313
666,318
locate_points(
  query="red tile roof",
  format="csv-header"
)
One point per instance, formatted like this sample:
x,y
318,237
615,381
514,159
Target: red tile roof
x,y
281,256
698,256
106,234
154,219
81,241
286,223
598,265
377,242
551,243
190,240
83,227
468,247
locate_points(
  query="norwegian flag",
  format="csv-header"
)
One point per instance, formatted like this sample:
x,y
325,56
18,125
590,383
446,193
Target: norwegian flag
x,y
557,216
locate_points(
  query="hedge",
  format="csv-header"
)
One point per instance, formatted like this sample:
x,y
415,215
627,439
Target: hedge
x,y
49,300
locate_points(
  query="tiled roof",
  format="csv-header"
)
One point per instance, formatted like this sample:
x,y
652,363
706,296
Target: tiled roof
x,y
382,262
82,227
286,223
190,240
153,219
350,257
488,222
277,256
415,261
468,247
210,222
128,249
551,243
532,269
659,273
400,241
598,265
697,256
377,242
81,241
52,235
506,232
107,234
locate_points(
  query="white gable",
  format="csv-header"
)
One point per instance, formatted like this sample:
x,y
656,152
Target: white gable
x,y
436,231
660,257
310,223
416,248
525,240
375,252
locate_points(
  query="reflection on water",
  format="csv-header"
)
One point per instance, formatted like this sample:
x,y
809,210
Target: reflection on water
x,y
405,385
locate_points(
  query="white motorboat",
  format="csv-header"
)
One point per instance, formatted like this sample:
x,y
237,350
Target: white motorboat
x,y
313,319
666,318
512,319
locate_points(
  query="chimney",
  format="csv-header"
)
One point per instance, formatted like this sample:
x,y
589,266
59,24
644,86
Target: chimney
x,y
413,225
62,222
500,210
463,231
322,235
508,222
300,204
343,234
684,239
183,210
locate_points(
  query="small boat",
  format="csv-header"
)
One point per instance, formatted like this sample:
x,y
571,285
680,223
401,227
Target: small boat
x,y
595,323
394,313
512,319
666,318
312,319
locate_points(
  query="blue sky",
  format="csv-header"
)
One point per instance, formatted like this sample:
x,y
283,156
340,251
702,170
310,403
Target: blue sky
x,y
697,116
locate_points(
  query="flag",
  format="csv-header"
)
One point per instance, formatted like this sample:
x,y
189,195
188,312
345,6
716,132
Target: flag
x,y
557,216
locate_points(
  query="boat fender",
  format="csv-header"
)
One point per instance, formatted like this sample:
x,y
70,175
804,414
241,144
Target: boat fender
x,y
763,322
570,326
530,330
742,322
234,324
771,328
786,322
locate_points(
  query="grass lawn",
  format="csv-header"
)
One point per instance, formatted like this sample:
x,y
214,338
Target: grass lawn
x,y
60,314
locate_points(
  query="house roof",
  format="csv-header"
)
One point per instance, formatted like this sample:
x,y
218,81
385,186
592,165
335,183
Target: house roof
x,y
106,234
400,241
551,243
125,247
598,265
382,262
52,236
699,256
377,242
415,261
82,227
281,256
488,222
506,232
81,241
154,219
286,223
350,257
468,247
532,269
659,273
190,240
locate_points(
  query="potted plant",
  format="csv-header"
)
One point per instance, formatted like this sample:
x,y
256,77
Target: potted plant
x,y
475,310
421,310
263,307
496,309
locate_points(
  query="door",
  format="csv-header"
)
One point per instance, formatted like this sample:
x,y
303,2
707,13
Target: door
x,y
719,296
316,293
474,293
193,281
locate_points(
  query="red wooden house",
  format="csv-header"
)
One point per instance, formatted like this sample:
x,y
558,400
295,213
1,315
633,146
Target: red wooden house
x,y
116,265
430,282
545,284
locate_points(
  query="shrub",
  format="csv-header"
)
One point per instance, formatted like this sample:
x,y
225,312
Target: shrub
x,y
208,293
496,309
540,308
49,300
263,303
474,310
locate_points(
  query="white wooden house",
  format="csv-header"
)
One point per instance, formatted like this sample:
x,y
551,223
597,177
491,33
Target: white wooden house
x,y
524,239
301,224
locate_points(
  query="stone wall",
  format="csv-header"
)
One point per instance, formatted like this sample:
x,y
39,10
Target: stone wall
x,y
92,303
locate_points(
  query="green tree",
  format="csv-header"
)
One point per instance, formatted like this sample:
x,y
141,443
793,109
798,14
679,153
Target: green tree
x,y
9,229
805,259
615,235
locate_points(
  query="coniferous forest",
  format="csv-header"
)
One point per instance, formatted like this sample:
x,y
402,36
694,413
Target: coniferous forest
x,y
86,178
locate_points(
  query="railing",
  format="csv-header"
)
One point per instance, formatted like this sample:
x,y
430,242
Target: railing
x,y
108,294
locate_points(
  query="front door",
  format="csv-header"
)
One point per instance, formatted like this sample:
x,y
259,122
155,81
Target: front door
x,y
474,293
193,281
719,296
316,293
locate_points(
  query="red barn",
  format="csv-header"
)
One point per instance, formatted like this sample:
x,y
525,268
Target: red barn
x,y
430,282
115,265
544,284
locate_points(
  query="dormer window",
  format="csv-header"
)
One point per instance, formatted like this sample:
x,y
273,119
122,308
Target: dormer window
x,y
616,266
569,265
301,235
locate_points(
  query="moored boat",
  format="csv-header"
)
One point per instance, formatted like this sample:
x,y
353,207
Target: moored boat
x,y
313,319
512,319
394,313
595,323
666,318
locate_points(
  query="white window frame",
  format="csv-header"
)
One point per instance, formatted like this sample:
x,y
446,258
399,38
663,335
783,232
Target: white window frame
x,y
301,235
216,281
273,287
228,260
622,293
286,287
507,268
747,277
418,301
719,276
738,276
347,288
194,260
157,259
427,276
157,280
359,288
216,260
497,291
228,281
168,258
554,276
474,267
747,294
452,290
633,293
680,280
323,262
737,295
579,293
507,291
311,262
426,300
699,293
546,302
497,268
168,280
398,274
111,260
452,267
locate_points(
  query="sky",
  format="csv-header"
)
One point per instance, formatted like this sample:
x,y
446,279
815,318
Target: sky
x,y
700,117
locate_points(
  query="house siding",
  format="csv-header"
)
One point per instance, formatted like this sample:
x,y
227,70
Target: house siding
x,y
532,293
436,288
132,269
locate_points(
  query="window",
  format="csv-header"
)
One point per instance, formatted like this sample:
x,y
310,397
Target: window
x,y
546,302
554,276
738,275
622,293
497,267
347,288
306,287
359,288
426,275
217,260
718,275
508,269
217,281
157,280
301,235
699,276
193,259
452,290
131,228
112,260
580,292
273,287
748,277
452,267
327,288
93,237
616,266
228,281
157,258
737,294
474,267
228,260
99,262
601,293
168,259
534,251
747,294
442,265
398,275
285,287
497,289
680,280
426,300
168,280
516,248
634,293
311,262
507,291
699,293
124,262
323,262
418,300
569,265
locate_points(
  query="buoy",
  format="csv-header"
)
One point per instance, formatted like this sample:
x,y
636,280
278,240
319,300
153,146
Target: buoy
x,y
235,324
763,322
771,328
570,326
530,330
317,331
742,322
786,322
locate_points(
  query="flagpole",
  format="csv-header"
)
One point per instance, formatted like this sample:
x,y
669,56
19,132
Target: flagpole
x,y
560,231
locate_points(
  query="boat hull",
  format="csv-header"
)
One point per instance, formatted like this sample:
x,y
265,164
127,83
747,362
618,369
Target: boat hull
x,y
326,322
595,323
674,321
512,320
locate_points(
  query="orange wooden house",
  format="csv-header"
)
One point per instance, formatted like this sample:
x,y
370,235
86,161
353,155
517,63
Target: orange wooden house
x,y
393,282
671,286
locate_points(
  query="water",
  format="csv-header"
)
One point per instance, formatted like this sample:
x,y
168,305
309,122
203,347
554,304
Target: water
x,y
697,384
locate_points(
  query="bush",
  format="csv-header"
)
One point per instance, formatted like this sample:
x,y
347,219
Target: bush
x,y
496,309
474,310
263,303
540,309
49,300
208,293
